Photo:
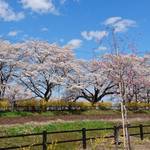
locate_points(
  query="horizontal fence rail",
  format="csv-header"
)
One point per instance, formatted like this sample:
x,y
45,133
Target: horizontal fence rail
x,y
84,139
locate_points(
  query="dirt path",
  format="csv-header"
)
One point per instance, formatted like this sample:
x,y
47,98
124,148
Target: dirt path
x,y
116,118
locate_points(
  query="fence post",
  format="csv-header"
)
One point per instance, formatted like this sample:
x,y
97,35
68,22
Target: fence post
x,y
84,138
141,132
116,135
44,140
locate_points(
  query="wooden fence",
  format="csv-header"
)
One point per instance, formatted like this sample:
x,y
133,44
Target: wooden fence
x,y
44,143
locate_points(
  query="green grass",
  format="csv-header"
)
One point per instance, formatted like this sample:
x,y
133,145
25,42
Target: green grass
x,y
75,112
140,112
15,114
56,113
54,126
101,112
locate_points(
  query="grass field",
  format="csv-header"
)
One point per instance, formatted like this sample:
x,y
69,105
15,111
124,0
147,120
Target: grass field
x,y
76,112
35,128
56,126
59,125
56,113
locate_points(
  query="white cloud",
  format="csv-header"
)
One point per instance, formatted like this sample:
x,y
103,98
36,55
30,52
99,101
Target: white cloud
x,y
40,6
96,35
44,29
74,43
112,20
13,33
101,48
124,25
8,14
119,24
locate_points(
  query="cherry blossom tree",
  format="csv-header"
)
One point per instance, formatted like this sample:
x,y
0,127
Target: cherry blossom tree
x,y
44,66
144,92
15,92
126,70
120,70
9,57
90,83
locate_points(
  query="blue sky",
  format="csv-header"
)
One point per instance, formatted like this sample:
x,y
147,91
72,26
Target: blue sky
x,y
80,24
